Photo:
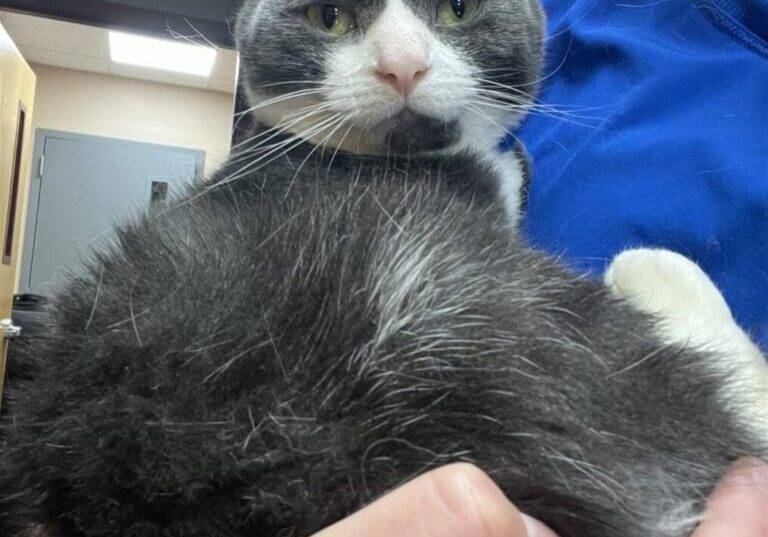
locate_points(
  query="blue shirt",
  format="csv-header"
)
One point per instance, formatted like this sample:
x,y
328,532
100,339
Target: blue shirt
x,y
655,133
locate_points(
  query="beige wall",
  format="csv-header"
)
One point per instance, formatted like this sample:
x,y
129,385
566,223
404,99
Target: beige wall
x,y
115,107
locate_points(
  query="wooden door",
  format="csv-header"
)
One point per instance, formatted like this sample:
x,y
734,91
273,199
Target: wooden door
x,y
17,93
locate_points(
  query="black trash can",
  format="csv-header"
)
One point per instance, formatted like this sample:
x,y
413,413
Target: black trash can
x,y
28,313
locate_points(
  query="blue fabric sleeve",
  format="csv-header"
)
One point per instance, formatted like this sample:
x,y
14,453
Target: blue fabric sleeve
x,y
654,132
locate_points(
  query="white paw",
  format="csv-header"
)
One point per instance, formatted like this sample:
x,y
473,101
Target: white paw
x,y
692,312
667,284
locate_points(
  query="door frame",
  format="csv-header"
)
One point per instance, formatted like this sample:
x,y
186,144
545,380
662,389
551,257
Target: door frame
x,y
17,99
35,186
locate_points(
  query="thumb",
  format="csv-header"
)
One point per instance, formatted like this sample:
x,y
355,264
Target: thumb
x,y
739,505
454,501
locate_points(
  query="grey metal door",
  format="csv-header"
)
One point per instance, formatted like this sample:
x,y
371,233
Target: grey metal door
x,y
82,186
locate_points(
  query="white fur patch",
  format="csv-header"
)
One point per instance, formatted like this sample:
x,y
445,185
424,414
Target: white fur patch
x,y
511,177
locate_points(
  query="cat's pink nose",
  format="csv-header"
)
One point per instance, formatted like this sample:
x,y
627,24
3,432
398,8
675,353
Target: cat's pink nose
x,y
403,75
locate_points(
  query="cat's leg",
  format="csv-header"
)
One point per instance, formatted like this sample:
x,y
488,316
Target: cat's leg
x,y
692,312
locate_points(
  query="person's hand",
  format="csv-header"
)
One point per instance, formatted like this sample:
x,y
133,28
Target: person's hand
x,y
454,501
739,505
461,501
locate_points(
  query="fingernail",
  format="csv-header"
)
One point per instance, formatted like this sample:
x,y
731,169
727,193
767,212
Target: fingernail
x,y
534,528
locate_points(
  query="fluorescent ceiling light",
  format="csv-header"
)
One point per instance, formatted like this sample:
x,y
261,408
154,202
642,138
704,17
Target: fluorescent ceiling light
x,y
162,54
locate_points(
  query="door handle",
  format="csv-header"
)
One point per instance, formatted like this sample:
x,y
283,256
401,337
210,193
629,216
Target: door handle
x,y
9,330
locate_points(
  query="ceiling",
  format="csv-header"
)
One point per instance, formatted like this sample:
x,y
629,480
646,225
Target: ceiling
x,y
210,18
86,48
212,10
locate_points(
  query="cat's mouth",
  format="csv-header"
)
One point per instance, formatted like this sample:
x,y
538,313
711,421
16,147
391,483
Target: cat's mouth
x,y
410,131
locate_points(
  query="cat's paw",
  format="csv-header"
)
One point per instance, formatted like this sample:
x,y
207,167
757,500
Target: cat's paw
x,y
691,312
669,285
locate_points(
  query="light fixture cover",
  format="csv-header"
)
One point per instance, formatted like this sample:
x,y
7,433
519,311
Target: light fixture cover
x,y
163,54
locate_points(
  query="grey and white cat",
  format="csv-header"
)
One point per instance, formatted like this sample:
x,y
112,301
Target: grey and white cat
x,y
347,304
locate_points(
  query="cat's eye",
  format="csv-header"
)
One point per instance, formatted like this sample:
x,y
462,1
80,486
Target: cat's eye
x,y
331,19
455,12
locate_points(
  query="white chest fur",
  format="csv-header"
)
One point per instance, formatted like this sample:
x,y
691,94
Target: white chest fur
x,y
510,172
481,135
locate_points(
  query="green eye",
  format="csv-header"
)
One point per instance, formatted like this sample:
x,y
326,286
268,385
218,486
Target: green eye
x,y
455,12
331,19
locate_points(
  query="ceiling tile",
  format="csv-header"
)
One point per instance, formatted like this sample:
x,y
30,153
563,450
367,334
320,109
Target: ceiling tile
x,y
86,48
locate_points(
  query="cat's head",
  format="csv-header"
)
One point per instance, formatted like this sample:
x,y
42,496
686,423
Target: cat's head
x,y
391,75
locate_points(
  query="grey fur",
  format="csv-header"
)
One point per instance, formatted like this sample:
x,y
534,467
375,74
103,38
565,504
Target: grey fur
x,y
263,363
287,344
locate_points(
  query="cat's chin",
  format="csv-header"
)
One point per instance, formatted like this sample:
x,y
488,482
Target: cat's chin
x,y
407,132
412,132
